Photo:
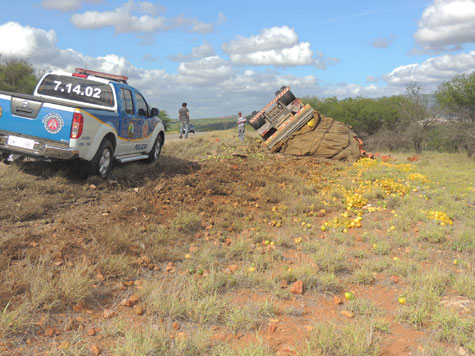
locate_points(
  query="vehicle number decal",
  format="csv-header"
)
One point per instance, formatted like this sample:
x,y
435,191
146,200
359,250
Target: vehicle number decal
x,y
53,123
77,89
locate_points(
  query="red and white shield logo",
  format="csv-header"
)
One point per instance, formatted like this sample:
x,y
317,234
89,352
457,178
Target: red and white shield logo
x,y
53,123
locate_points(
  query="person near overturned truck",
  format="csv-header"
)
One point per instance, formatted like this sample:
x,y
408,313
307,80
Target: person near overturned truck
x,y
184,116
241,123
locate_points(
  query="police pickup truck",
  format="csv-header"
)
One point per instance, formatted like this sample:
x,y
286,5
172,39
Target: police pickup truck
x,y
92,116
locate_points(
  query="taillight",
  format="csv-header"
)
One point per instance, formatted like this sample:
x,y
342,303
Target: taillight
x,y
76,127
79,75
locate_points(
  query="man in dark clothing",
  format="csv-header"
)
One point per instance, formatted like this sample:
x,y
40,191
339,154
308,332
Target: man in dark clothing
x,y
184,116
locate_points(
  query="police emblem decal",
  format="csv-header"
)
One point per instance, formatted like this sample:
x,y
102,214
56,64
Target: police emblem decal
x,y
53,123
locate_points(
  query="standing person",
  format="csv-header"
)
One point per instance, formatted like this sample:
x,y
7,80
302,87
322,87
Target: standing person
x,y
241,126
184,116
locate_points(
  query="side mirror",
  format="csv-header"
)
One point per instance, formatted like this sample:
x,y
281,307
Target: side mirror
x,y
154,112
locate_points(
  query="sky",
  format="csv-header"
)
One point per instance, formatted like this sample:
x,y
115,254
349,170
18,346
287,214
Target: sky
x,y
222,57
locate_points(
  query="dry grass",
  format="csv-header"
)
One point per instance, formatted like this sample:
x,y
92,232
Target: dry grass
x,y
213,236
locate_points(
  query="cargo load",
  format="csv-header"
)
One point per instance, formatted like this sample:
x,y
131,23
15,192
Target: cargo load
x,y
288,126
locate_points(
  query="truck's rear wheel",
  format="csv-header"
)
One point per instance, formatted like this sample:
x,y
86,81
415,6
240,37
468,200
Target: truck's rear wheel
x,y
156,149
101,164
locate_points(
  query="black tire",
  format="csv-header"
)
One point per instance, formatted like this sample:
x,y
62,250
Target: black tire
x,y
258,122
280,90
287,98
101,164
156,149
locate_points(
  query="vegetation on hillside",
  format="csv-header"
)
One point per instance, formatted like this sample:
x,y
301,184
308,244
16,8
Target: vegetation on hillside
x,y
17,76
409,122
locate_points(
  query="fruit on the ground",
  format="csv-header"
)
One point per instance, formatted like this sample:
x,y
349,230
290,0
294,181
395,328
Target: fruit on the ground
x,y
401,300
349,296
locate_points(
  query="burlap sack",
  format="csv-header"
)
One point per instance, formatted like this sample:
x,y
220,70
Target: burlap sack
x,y
328,139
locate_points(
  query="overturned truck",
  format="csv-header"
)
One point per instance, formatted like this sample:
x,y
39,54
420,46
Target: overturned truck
x,y
289,127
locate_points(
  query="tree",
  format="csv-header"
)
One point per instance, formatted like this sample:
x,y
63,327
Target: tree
x,y
163,115
456,98
17,76
415,122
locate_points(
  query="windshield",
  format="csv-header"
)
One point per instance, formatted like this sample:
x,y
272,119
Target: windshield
x,y
77,89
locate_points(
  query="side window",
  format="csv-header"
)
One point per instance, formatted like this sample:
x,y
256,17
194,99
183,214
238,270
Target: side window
x,y
142,106
127,103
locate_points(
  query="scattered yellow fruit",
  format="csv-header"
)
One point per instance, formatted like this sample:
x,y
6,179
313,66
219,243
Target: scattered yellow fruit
x,y
401,300
251,269
187,256
349,296
323,228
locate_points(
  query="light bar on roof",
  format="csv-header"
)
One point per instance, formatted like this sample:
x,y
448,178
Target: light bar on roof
x,y
121,78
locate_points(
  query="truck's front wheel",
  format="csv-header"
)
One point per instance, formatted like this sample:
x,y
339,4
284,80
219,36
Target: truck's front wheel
x,y
101,164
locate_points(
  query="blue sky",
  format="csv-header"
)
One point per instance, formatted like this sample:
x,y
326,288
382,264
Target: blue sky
x,y
226,56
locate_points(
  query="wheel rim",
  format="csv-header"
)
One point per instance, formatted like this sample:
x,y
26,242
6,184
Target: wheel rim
x,y
158,147
104,162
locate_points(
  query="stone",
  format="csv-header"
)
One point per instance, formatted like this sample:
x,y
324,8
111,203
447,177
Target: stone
x,y
337,300
108,314
139,309
94,349
297,287
347,314
233,268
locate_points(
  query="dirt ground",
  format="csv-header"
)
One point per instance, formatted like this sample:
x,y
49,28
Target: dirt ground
x,y
66,220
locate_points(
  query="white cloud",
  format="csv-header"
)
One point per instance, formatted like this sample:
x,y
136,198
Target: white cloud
x,y
122,19
221,19
383,42
446,24
274,38
205,50
66,5
354,90
299,54
321,62
371,79
138,17
433,71
276,46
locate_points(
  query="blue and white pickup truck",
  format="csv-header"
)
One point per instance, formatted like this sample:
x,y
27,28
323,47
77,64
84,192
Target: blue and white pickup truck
x,y
87,115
